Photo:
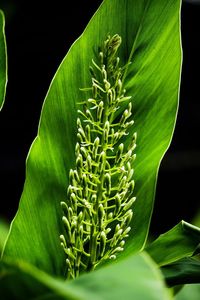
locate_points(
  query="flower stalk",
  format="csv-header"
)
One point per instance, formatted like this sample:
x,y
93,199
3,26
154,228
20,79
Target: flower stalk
x,y
97,211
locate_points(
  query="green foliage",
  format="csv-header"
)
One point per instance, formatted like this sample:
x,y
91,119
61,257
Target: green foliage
x,y
3,61
136,277
151,34
33,258
179,242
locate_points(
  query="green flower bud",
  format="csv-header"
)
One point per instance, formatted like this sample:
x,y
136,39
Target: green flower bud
x,y
107,84
102,161
101,215
107,183
79,164
63,241
129,203
77,149
82,133
93,198
103,239
127,218
117,204
95,148
112,257
89,163
79,125
132,145
100,111
67,227
118,249
79,138
119,153
119,86
126,231
89,115
123,182
104,73
110,97
76,176
122,243
87,132
116,137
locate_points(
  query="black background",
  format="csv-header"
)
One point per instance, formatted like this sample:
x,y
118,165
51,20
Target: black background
x,y
38,38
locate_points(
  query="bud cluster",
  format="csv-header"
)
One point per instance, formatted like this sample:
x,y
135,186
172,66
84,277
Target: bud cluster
x,y
98,210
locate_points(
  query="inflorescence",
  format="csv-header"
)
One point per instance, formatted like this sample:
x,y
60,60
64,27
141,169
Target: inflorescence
x,y
98,210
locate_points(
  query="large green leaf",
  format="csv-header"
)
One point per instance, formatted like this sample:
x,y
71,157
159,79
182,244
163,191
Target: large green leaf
x,y
150,32
179,242
134,278
3,61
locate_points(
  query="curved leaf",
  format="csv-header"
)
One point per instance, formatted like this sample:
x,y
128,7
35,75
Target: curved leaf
x,y
3,60
179,242
183,271
134,278
150,32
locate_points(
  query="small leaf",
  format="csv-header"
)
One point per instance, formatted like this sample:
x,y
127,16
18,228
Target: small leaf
x,y
3,61
179,242
183,271
136,277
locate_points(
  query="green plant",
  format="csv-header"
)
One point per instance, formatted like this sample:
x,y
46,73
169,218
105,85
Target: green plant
x,y
32,258
98,211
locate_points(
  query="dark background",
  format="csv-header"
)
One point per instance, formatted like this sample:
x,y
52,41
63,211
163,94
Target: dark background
x,y
38,38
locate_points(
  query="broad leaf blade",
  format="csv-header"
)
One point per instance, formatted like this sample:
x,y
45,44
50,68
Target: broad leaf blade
x,y
3,61
134,278
151,40
153,81
130,278
179,242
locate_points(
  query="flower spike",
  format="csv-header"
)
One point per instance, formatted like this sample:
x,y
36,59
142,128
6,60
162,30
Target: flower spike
x,y
98,208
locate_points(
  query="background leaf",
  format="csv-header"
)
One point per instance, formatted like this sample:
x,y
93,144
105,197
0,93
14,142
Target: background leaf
x,y
179,242
4,229
191,292
151,40
182,271
3,61
134,278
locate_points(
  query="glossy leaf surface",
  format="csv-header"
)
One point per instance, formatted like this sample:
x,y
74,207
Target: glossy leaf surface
x,y
150,32
134,278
